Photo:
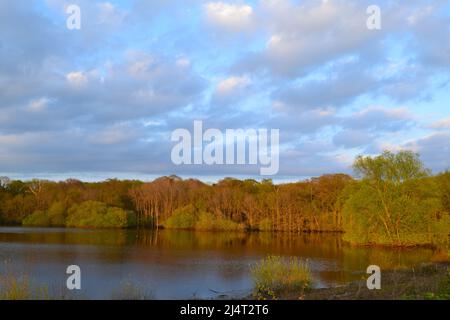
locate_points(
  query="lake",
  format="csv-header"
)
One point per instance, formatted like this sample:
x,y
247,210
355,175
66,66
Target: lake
x,y
169,264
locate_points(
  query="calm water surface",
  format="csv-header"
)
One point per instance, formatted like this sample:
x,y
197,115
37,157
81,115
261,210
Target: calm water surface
x,y
180,264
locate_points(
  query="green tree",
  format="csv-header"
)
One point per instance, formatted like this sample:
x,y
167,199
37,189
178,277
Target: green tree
x,y
38,218
56,214
95,214
183,218
394,203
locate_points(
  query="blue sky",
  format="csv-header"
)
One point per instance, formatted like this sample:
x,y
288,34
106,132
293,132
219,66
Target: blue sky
x,y
102,101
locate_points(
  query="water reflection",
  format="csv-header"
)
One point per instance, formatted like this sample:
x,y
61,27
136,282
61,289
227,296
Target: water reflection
x,y
182,264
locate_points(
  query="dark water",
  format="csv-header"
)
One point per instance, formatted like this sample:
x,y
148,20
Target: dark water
x,y
180,264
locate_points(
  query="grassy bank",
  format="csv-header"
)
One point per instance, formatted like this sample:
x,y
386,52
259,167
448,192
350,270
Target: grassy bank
x,y
13,287
282,279
427,282
275,277
277,280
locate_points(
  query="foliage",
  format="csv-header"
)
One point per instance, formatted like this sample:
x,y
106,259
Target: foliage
x,y
53,217
395,203
207,221
182,218
275,276
57,214
94,214
37,219
390,167
189,217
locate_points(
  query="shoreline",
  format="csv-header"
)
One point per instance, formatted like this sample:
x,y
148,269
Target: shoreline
x,y
428,281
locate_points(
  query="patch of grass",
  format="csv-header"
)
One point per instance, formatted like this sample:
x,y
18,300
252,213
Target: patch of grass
x,y
130,291
275,277
20,288
442,291
424,282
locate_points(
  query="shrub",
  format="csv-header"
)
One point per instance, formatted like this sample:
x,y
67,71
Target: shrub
x,y
94,214
53,217
207,221
38,218
56,213
189,217
182,218
274,276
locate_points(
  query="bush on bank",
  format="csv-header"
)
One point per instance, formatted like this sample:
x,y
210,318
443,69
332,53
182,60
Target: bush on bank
x,y
88,214
190,217
94,214
53,217
275,276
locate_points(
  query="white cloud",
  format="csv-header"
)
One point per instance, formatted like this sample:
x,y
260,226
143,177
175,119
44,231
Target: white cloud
x,y
139,62
419,15
380,119
441,124
77,78
183,62
231,84
434,150
38,104
232,17
109,14
313,61
389,146
304,34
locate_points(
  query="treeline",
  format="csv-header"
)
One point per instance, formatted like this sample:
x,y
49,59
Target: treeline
x,y
305,206
393,201
312,205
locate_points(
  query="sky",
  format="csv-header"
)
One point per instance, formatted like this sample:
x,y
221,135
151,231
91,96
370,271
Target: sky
x,y
102,101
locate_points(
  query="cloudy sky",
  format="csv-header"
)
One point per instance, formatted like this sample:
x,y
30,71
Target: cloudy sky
x,y
103,101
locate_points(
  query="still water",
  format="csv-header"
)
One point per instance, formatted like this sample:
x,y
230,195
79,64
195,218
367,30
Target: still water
x,y
172,264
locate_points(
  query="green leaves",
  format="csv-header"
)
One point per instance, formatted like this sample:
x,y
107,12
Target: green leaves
x,y
396,202
390,167
95,214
